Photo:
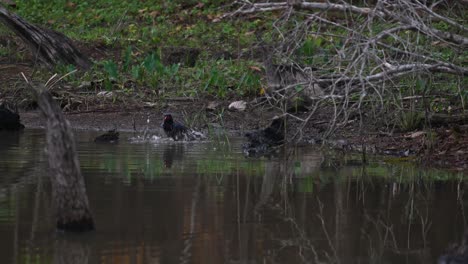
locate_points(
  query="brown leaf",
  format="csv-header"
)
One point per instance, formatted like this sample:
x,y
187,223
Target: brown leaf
x,y
255,68
212,106
71,4
415,134
154,13
238,105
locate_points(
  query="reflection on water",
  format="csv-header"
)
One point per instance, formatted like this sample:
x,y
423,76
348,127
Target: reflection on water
x,y
176,202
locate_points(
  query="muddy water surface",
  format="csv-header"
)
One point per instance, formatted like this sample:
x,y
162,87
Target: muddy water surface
x,y
166,202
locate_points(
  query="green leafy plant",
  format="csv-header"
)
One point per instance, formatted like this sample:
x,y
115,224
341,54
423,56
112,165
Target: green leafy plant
x,y
410,120
127,59
111,69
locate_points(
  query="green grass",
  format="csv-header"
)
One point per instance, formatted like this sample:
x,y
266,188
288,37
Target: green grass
x,y
143,23
138,31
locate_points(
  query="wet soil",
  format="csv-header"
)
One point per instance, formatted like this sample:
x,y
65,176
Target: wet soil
x,y
191,113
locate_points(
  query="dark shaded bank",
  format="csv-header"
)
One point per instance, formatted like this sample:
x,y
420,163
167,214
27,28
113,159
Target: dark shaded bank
x,y
441,147
9,120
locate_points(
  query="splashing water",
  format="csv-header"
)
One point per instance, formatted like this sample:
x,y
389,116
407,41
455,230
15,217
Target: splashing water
x,y
147,137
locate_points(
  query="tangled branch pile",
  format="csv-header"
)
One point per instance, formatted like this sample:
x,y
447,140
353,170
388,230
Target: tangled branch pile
x,y
394,58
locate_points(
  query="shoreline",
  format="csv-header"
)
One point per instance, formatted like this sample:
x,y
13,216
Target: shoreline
x,y
449,150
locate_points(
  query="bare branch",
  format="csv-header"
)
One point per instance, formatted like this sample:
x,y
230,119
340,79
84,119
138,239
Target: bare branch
x,y
255,8
359,57
448,36
445,19
339,7
396,71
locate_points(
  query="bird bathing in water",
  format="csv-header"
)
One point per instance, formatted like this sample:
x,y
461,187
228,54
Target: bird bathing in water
x,y
178,131
265,141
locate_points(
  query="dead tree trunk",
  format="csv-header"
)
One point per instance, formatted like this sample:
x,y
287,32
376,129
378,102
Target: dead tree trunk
x,y
68,188
49,46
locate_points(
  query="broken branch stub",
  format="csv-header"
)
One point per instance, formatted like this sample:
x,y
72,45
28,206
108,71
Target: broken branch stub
x,y
51,47
68,187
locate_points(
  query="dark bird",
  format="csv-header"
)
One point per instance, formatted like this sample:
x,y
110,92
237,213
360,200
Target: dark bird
x,y
172,128
179,131
9,120
171,153
110,136
263,141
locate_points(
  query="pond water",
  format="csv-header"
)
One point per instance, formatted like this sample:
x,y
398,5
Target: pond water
x,y
205,202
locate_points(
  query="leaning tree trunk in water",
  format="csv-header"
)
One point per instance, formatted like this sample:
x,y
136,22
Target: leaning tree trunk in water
x,y
68,188
51,47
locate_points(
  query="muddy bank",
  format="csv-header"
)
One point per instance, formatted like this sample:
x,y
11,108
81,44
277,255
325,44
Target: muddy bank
x,y
442,147
192,113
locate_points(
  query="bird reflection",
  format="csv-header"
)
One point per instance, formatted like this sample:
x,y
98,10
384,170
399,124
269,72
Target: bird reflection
x,y
9,139
110,136
72,250
456,253
172,152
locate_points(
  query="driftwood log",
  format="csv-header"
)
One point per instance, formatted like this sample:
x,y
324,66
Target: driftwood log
x,y
50,47
68,187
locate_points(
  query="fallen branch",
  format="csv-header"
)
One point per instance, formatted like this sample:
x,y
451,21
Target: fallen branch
x,y
339,7
363,53
254,8
425,29
397,71
50,46
442,18
249,8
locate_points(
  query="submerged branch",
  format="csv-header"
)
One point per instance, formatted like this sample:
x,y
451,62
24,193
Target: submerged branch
x,y
68,188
